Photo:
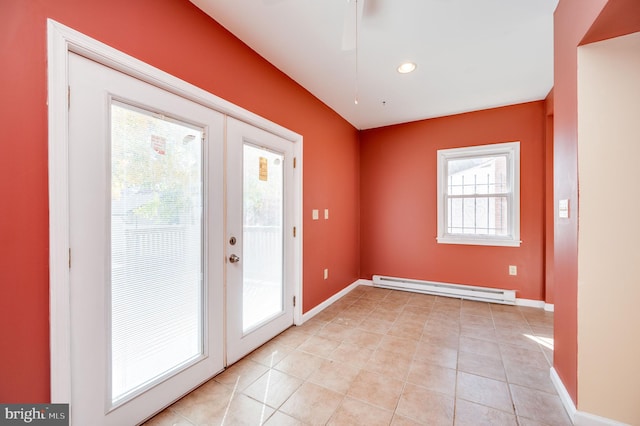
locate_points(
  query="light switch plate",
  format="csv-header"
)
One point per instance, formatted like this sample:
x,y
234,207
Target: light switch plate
x,y
315,214
563,209
326,213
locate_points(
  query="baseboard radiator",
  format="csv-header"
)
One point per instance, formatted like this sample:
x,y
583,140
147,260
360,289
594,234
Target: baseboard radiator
x,y
483,294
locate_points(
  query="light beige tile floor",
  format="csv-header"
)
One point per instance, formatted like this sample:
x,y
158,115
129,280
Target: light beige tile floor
x,y
383,357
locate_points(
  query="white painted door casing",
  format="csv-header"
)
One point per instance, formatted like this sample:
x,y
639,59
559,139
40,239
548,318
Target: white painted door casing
x,y
62,41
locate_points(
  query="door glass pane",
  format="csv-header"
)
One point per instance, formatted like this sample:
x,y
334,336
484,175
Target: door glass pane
x,y
262,236
156,248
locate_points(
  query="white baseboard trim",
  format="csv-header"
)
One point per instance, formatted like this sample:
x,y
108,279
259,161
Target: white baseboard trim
x,y
319,308
586,419
530,303
567,402
549,307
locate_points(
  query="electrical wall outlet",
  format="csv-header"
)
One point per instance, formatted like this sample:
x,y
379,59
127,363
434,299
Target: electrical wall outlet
x,y
513,270
326,274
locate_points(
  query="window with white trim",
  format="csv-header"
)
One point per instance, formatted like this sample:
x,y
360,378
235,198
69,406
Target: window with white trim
x,y
479,195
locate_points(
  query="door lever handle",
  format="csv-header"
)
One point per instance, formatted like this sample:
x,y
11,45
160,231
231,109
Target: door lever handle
x,y
234,259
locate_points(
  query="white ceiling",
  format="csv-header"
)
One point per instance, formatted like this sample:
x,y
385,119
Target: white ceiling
x,y
471,54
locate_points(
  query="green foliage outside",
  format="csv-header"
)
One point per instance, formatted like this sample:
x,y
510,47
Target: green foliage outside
x,y
161,188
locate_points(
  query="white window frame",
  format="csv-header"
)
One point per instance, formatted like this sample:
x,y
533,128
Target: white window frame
x,y
512,151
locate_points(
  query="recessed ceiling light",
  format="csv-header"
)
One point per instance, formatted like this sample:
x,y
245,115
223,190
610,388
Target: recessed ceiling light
x,y
406,67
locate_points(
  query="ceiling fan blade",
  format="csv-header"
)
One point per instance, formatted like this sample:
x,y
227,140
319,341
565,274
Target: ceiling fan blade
x,y
352,16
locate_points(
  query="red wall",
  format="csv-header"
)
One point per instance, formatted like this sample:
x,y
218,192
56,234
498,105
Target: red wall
x,y
571,21
618,17
175,37
548,199
398,201
576,22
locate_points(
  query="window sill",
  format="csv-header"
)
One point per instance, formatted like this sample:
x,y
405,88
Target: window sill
x,y
479,242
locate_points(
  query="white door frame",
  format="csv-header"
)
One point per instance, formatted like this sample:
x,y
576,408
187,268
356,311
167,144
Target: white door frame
x,y
60,41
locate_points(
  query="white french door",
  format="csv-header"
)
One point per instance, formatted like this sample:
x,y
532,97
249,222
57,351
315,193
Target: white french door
x,y
146,225
259,243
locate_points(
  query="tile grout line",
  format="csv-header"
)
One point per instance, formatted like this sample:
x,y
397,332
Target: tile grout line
x,y
405,382
506,376
455,388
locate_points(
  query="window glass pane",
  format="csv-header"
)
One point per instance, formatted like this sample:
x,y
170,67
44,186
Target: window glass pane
x,y
478,216
477,175
156,247
263,285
